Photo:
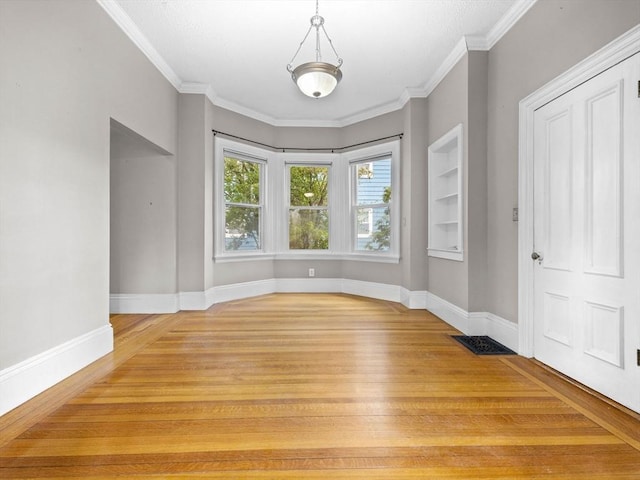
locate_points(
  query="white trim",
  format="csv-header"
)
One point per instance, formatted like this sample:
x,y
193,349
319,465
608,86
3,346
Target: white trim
x,y
27,379
508,20
198,88
475,323
380,291
439,152
624,46
373,112
502,330
195,300
415,300
238,291
143,303
450,313
458,52
171,303
477,43
132,31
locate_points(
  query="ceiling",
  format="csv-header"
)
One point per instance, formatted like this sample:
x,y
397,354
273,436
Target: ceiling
x,y
236,51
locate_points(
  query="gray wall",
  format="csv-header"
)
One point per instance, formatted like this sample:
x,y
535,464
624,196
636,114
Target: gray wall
x,y
66,69
448,106
476,180
413,194
553,36
192,194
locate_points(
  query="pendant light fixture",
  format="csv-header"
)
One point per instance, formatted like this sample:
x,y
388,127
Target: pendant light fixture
x,y
316,79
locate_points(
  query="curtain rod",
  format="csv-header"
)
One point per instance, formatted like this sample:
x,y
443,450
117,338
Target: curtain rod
x,y
301,149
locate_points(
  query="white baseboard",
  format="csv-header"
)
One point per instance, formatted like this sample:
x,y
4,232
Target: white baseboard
x,y
171,303
379,291
30,377
450,313
415,300
503,331
143,303
238,291
194,300
475,323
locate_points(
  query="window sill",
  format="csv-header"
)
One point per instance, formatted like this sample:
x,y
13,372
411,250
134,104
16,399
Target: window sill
x,y
312,255
243,257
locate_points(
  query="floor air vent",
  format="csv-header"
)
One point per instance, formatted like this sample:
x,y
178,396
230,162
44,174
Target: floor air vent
x,y
483,345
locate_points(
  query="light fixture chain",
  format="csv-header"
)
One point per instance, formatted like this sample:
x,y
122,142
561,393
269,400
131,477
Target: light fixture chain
x,y
318,53
331,44
289,66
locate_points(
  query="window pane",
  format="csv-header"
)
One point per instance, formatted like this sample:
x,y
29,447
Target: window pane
x,y
365,222
374,182
374,229
242,228
309,186
241,181
308,229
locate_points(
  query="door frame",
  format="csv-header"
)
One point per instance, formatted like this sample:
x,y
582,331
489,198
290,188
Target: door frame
x,y
608,56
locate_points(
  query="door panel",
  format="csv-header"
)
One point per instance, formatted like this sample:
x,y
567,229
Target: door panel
x,y
587,232
558,202
603,246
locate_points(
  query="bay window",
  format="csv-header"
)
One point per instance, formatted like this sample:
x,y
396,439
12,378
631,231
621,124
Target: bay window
x,y
287,205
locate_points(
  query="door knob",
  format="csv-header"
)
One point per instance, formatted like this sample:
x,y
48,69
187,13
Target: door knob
x,y
536,256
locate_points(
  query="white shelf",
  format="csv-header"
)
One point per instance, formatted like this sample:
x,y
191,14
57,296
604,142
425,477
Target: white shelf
x,y
450,196
446,196
450,171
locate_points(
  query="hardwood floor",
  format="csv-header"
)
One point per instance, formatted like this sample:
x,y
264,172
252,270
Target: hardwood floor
x,y
313,386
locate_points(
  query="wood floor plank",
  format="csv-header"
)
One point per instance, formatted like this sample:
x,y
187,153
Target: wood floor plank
x,y
314,386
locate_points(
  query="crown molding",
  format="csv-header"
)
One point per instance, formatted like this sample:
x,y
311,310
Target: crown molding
x,y
508,20
261,117
465,44
477,43
459,51
193,87
375,111
133,32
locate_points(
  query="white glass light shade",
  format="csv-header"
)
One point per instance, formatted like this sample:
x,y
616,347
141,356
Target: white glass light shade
x,y
316,79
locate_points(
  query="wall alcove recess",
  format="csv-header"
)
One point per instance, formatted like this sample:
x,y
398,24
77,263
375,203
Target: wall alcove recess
x,y
446,196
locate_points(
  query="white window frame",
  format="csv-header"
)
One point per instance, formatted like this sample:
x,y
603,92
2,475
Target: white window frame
x,y
330,160
369,155
252,154
275,194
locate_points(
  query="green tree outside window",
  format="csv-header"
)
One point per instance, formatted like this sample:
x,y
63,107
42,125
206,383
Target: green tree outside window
x,y
243,204
308,208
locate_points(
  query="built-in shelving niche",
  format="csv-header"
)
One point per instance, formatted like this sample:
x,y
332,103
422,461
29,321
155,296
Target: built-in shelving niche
x,y
446,196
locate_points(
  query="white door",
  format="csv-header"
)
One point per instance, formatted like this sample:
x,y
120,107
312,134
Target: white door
x,y
587,233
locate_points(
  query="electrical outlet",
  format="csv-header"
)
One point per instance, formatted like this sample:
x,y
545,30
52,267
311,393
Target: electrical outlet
x,y
514,214
312,272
